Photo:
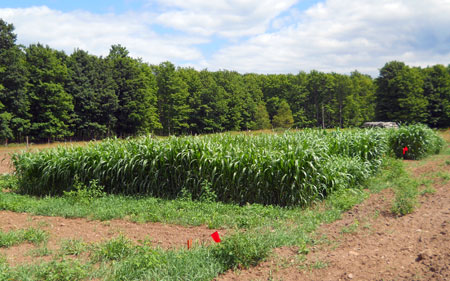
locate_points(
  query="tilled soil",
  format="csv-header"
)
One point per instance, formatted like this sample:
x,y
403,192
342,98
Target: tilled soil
x,y
59,229
369,243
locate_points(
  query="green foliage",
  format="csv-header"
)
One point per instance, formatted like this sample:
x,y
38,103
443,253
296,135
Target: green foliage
x,y
305,165
50,105
14,237
420,140
283,118
60,270
437,91
207,194
8,181
262,120
405,201
48,95
136,91
173,96
400,94
114,249
242,249
73,247
84,194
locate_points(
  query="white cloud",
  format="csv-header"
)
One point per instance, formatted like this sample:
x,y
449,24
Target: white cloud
x,y
96,33
227,18
334,35
344,35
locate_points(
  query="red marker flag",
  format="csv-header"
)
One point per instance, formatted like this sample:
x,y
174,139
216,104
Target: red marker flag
x,y
216,237
405,149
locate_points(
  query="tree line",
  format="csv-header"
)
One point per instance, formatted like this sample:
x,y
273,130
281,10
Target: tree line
x,y
46,95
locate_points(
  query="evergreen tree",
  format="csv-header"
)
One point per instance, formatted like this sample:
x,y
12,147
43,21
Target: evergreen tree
x,y
262,120
283,118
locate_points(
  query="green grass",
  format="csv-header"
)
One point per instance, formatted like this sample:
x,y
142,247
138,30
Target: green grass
x,y
73,247
15,237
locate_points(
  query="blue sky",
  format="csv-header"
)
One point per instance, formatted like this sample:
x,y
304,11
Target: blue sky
x,y
262,36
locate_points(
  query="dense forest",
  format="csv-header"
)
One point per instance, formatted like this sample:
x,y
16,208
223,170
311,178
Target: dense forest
x,y
47,95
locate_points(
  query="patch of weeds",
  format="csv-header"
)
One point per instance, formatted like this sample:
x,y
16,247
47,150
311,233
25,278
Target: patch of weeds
x,y
345,199
84,194
15,237
114,249
73,247
319,264
42,251
242,250
207,195
35,235
351,228
4,268
41,224
391,169
445,176
447,162
8,182
405,197
367,226
61,270
427,190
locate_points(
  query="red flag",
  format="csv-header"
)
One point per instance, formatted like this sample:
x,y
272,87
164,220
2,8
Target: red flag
x,y
405,149
216,237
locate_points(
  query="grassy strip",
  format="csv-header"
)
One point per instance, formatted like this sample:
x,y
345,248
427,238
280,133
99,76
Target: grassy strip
x,y
145,209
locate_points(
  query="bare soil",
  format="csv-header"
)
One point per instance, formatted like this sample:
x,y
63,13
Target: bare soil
x,y
60,229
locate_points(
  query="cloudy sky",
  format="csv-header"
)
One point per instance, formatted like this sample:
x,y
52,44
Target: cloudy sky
x,y
261,36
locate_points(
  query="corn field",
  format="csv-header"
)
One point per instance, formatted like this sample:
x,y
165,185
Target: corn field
x,y
294,168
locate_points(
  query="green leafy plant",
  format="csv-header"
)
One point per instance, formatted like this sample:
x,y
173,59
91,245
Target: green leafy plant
x,y
405,197
8,181
84,194
73,247
242,250
14,237
114,249
420,140
207,194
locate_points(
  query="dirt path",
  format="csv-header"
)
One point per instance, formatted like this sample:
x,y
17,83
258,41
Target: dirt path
x,y
161,235
369,243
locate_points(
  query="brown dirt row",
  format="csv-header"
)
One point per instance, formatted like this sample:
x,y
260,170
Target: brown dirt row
x,y
161,235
